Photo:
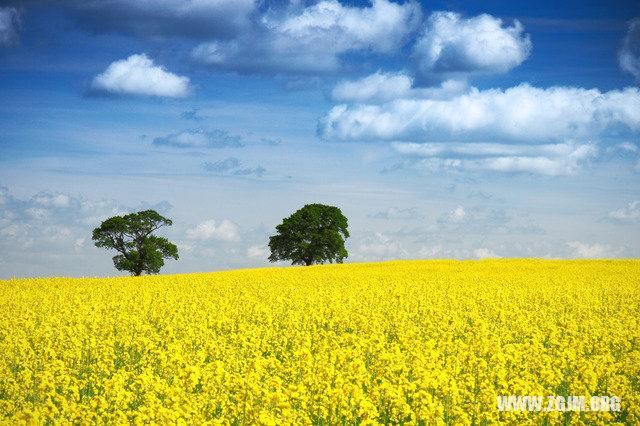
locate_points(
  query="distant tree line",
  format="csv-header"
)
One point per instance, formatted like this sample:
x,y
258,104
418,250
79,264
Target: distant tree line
x,y
314,234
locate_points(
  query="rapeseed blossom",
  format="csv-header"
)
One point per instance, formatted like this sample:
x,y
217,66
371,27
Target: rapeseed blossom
x,y
431,342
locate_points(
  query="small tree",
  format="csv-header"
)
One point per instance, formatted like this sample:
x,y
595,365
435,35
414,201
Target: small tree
x,y
131,236
313,234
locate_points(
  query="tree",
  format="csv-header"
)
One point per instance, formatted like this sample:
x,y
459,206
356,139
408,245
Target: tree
x,y
131,235
313,234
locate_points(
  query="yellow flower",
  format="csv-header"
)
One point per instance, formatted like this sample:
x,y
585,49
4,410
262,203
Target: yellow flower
x,y
397,342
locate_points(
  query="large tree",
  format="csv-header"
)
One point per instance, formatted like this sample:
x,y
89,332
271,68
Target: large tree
x,y
131,235
313,234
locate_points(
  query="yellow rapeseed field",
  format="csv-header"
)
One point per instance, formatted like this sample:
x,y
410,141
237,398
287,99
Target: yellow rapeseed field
x,y
432,342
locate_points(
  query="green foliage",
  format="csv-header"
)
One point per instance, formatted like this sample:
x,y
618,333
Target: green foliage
x,y
313,234
131,235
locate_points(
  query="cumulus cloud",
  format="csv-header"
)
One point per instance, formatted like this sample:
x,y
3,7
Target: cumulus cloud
x,y
195,19
199,138
430,251
481,149
514,114
232,166
311,39
382,246
211,229
451,130
10,22
483,220
455,216
484,253
383,87
439,251
377,247
138,75
547,159
628,214
49,233
259,251
378,86
459,215
629,55
592,251
451,44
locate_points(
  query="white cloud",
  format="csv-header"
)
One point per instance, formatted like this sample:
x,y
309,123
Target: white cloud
x,y
481,149
212,230
591,251
547,159
514,114
310,39
185,247
10,22
540,165
259,251
452,130
628,147
50,234
377,247
52,200
36,213
383,87
628,214
377,27
629,55
484,221
481,44
445,251
484,253
138,75
458,214
429,252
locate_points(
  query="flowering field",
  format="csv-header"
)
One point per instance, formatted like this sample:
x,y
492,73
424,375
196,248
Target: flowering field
x,y
412,341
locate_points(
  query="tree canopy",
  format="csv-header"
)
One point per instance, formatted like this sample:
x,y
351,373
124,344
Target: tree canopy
x,y
314,234
131,235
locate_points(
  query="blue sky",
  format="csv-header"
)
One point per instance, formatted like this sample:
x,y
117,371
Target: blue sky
x,y
444,129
